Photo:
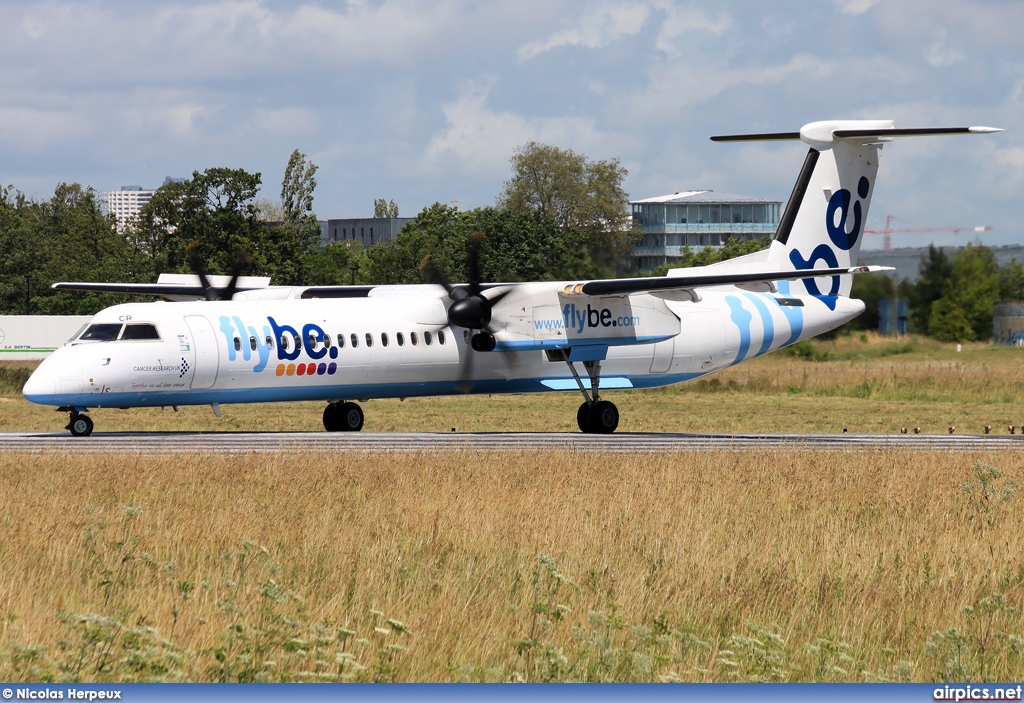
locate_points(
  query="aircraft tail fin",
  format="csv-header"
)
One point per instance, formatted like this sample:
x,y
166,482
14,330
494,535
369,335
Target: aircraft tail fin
x,y
823,223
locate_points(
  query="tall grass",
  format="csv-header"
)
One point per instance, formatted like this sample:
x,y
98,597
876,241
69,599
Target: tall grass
x,y
696,566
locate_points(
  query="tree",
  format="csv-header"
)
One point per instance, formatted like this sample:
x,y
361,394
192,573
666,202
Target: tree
x,y
297,188
578,195
948,323
975,287
209,218
270,210
337,264
1011,281
709,255
299,220
514,247
871,288
934,274
385,208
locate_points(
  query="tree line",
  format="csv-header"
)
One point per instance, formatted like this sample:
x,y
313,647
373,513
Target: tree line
x,y
559,216
952,299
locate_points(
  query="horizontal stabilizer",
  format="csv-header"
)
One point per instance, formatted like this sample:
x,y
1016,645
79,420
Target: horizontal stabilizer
x,y
821,135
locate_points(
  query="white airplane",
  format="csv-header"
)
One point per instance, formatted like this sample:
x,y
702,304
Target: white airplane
x,y
241,340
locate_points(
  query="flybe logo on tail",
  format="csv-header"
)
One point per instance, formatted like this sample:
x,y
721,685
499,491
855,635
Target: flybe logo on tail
x,y
843,231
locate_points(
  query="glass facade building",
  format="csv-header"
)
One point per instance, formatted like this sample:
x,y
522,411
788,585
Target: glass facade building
x,y
697,219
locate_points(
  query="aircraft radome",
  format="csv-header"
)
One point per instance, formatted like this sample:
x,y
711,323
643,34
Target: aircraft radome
x,y
242,340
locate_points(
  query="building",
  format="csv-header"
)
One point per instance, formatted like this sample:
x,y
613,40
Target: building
x,y
365,230
696,219
124,204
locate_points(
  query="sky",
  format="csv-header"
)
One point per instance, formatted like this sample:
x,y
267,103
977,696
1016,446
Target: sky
x,y
424,102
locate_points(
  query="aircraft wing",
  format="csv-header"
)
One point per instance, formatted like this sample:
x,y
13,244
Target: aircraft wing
x,y
688,281
144,288
172,285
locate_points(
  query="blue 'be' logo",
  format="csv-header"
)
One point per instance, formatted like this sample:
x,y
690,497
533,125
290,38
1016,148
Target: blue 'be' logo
x,y
842,235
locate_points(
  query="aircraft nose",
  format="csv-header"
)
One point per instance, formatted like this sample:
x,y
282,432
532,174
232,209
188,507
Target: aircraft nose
x,y
59,375
41,386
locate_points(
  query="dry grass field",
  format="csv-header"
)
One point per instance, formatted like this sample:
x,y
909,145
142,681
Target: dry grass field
x,y
795,566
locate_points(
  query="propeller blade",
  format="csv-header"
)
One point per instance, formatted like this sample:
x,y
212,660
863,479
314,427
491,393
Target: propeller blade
x,y
241,259
473,242
435,276
208,290
465,384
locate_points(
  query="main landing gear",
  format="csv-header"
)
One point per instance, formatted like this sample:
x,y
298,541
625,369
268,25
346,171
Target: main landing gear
x,y
79,424
343,417
595,416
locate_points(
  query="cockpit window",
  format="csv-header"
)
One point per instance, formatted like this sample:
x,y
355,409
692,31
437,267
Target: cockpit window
x,y
80,330
136,331
102,332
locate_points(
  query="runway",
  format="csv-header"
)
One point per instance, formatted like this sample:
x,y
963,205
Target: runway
x,y
155,443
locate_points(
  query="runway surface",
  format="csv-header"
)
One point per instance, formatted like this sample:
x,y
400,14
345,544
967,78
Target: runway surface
x,y
261,442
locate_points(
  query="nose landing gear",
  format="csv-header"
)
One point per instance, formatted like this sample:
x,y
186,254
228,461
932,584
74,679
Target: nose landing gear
x,y
343,417
79,424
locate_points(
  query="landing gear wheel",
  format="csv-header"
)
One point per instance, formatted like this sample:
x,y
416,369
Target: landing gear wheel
x,y
350,417
80,425
603,417
332,419
583,418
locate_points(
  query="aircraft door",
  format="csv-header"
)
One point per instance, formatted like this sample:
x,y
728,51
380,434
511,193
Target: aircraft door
x,y
207,360
662,360
706,342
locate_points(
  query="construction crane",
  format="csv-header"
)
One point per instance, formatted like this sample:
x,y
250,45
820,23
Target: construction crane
x,y
889,230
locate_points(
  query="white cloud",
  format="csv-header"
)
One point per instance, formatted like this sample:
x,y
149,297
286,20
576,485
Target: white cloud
x,y
856,7
682,19
598,27
673,89
481,140
942,53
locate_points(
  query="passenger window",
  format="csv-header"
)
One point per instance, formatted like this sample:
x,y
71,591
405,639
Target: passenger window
x,y
400,338
341,341
238,344
104,332
327,341
298,342
270,343
369,339
355,340
426,338
383,339
140,331
312,341
286,343
252,343
440,336
414,338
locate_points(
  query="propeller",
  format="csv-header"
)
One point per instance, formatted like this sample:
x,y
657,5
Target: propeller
x,y
470,308
210,292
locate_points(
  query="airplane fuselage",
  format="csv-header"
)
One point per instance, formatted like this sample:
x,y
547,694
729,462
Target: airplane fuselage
x,y
397,343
